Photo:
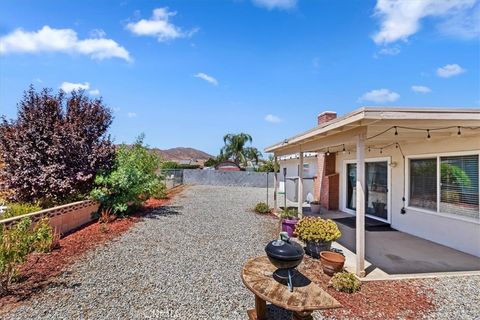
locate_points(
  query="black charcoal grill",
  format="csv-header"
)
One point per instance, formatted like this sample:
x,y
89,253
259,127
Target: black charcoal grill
x,y
286,255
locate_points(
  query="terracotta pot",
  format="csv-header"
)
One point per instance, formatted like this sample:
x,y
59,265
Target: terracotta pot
x,y
332,262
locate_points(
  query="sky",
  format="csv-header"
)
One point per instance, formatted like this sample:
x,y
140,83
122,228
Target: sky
x,y
185,73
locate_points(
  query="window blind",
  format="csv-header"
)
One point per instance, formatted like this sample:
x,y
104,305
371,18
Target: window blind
x,y
423,183
459,193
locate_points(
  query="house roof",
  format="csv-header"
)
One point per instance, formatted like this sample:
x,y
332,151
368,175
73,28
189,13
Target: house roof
x,y
368,115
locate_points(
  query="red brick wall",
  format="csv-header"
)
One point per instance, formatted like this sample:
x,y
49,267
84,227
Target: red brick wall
x,y
326,186
325,117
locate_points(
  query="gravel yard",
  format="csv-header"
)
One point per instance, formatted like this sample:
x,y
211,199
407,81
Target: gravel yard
x,y
184,262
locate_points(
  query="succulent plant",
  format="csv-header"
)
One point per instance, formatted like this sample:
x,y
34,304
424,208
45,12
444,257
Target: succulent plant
x,y
317,229
345,282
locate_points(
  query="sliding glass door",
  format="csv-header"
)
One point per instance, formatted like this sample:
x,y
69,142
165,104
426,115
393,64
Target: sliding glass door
x,y
376,188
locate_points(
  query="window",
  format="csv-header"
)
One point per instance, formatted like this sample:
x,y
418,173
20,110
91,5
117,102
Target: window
x,y
447,184
423,183
306,169
459,185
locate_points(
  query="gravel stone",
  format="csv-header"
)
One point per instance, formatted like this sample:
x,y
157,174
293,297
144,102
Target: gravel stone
x,y
184,262
454,297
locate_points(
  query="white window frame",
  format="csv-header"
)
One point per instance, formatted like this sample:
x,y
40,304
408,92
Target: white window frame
x,y
437,156
343,185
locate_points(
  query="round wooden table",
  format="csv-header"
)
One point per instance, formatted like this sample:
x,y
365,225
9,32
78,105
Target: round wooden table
x,y
257,275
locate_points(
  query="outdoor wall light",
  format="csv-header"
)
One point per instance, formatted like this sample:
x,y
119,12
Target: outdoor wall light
x,y
393,164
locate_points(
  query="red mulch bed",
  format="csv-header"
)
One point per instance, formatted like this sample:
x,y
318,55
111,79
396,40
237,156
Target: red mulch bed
x,y
41,268
399,299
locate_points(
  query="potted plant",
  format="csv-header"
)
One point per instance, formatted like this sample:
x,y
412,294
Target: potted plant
x,y
332,262
317,233
289,220
315,207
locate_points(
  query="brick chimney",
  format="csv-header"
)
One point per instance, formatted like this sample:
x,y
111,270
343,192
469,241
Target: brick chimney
x,y
325,117
326,183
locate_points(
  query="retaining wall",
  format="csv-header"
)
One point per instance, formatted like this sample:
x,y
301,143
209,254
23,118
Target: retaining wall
x,y
63,218
227,178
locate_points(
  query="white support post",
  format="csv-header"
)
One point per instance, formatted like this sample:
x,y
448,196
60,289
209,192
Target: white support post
x,y
275,186
360,207
300,185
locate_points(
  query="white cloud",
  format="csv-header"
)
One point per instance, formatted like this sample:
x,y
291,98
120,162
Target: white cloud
x,y
276,4
131,114
421,89
159,26
450,70
388,51
70,86
380,95
61,40
399,19
207,78
94,92
97,33
464,24
272,118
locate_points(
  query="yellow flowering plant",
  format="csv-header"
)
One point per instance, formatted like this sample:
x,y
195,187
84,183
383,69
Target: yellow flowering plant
x,y
317,229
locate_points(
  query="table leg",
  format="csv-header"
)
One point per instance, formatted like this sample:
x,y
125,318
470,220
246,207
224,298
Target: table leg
x,y
307,315
260,308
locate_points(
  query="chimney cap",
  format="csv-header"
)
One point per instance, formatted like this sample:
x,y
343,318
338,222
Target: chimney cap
x,y
326,112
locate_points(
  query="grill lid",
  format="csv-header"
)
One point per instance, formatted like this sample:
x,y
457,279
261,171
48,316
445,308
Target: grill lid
x,y
284,250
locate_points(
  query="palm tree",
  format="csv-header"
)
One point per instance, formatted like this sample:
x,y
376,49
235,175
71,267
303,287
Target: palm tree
x,y
235,149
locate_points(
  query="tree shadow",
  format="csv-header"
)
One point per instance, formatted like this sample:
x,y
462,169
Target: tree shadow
x,y
164,211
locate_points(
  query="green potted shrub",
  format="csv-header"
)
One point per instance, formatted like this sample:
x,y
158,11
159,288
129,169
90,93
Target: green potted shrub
x,y
317,233
262,208
289,220
315,207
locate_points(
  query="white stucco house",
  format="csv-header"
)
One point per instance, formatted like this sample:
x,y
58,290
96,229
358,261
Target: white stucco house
x,y
416,169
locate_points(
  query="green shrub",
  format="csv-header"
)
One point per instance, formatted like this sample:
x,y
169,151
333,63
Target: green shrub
x,y
262,208
43,236
317,229
18,209
345,282
17,241
132,180
289,213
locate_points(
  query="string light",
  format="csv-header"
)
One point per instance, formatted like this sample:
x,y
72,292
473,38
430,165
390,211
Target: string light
x,y
459,132
328,151
428,134
381,150
396,132
368,149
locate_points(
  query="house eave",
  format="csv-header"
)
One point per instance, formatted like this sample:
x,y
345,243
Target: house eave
x,y
357,116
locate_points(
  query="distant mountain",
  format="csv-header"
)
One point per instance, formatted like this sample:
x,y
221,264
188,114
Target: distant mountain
x,y
180,153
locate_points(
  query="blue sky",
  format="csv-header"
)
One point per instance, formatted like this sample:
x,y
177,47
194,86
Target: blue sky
x,y
187,72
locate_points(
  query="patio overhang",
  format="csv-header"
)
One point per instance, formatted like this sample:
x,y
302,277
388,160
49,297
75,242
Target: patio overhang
x,y
376,128
372,121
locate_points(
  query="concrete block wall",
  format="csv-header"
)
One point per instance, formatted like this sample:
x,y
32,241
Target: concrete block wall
x,y
227,178
63,218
